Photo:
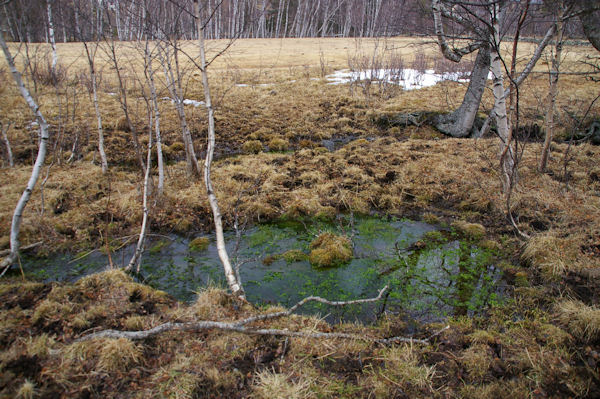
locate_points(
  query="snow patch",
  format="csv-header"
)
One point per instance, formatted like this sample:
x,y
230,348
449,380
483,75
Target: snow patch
x,y
195,103
409,79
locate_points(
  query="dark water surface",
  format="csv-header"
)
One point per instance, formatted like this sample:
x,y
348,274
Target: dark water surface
x,y
430,272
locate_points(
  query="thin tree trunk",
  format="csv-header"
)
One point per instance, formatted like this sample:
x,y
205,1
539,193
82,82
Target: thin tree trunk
x,y
507,161
125,107
553,93
39,162
9,154
234,284
139,248
90,57
52,38
156,110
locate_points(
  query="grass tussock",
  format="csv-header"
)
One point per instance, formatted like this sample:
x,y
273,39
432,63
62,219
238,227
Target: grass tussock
x,y
331,149
581,320
330,250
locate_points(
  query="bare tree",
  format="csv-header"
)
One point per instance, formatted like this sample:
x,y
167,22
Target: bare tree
x,y
553,90
90,53
39,162
234,285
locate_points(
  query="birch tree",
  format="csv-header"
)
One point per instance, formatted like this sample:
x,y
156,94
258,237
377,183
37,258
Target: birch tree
x,y
9,156
234,285
39,162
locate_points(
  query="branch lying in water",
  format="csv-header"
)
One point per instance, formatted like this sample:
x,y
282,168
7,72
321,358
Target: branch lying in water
x,y
239,326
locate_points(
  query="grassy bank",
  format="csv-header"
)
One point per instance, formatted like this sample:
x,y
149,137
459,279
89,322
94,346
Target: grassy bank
x,y
275,114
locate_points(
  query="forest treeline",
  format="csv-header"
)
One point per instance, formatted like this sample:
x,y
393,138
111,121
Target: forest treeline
x,y
86,20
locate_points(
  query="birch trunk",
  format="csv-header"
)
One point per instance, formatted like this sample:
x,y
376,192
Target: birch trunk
x,y
39,162
52,37
139,248
9,154
234,284
460,122
156,110
552,94
91,65
507,161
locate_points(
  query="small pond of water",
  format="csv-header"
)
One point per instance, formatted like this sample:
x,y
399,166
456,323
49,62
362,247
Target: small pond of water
x,y
430,272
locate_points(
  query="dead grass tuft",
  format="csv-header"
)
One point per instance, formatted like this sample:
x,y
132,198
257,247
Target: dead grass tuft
x,y
581,320
27,390
271,385
330,250
471,231
552,255
118,355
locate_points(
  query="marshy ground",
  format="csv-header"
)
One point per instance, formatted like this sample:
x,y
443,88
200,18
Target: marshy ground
x,y
292,146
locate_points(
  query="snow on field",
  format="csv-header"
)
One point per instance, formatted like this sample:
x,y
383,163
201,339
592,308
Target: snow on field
x,y
410,79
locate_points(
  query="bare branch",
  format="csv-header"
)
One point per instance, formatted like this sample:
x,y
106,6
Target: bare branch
x,y
239,326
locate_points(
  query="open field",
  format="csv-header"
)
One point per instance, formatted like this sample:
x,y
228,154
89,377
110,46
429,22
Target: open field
x,y
275,111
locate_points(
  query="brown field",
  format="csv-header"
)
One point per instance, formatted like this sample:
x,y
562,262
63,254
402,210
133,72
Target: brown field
x,y
542,342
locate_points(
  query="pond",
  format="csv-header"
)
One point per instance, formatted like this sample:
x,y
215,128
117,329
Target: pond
x,y
430,271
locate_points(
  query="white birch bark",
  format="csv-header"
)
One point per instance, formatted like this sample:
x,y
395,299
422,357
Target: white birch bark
x,y
52,36
507,161
156,110
139,248
9,154
232,281
39,162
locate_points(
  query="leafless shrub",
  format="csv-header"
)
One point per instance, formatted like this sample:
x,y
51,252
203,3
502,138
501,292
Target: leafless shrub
x,y
421,62
85,79
460,70
43,73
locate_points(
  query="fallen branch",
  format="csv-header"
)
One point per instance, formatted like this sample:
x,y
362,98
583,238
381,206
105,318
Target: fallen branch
x,y
239,326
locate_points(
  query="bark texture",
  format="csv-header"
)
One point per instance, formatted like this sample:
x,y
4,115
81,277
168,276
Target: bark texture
x,y
39,161
460,123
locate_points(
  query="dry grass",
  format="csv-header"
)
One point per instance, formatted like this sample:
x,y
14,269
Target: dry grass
x,y
271,385
402,171
581,320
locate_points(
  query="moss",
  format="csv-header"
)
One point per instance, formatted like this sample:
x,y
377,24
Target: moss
x,y
156,248
252,147
176,147
330,250
278,144
199,244
294,255
471,231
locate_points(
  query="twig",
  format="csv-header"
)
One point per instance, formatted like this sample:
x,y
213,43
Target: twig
x,y
306,300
